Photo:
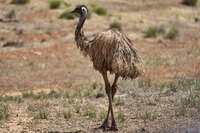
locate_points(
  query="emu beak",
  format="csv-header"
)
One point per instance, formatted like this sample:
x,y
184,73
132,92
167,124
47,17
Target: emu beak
x,y
74,11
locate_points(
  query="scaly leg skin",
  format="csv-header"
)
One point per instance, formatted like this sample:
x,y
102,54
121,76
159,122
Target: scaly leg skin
x,y
114,86
113,90
105,124
113,126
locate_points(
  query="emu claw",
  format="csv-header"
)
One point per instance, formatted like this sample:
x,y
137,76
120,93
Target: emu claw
x,y
104,126
114,126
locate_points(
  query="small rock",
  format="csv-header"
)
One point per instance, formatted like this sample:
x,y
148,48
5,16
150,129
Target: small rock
x,y
13,44
19,32
99,95
122,96
142,129
196,19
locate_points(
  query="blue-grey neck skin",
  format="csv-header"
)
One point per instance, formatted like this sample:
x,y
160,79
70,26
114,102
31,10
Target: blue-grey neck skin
x,y
81,21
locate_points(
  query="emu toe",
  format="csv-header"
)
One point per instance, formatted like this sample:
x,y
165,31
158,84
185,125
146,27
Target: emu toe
x,y
105,125
113,126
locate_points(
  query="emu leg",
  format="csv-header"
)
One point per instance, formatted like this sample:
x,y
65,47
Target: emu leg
x,y
113,91
107,88
113,126
114,86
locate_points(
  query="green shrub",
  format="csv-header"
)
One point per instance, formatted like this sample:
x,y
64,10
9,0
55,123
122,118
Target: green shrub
x,y
149,116
27,95
190,101
102,116
91,113
20,1
2,38
11,14
121,117
153,31
77,108
172,34
190,2
3,112
116,25
67,115
100,11
54,4
67,15
43,115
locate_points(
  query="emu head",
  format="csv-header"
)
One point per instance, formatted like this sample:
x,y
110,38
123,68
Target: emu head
x,y
82,10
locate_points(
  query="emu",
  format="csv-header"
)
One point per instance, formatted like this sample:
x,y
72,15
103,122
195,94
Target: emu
x,y
110,51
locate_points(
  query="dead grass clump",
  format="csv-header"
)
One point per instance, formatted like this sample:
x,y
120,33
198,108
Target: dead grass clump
x,y
91,113
77,108
190,2
11,98
116,25
149,116
3,112
54,4
190,101
20,1
189,106
119,102
172,33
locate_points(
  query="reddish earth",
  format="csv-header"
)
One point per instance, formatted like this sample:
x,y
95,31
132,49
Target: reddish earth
x,y
49,60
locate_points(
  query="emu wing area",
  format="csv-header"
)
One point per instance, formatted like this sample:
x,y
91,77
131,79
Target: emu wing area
x,y
113,51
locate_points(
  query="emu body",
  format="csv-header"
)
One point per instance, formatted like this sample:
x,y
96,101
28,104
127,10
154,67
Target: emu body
x,y
110,51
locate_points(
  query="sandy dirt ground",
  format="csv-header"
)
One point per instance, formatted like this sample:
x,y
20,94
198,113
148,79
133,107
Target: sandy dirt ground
x,y
47,85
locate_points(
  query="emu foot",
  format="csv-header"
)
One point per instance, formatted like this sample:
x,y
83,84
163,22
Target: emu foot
x,y
113,126
105,125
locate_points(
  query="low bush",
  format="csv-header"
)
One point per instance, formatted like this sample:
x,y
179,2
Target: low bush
x,y
190,2
152,31
54,4
100,11
172,33
20,1
67,15
116,25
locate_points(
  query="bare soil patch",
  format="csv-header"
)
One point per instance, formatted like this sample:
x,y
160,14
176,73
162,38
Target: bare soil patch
x,y
46,85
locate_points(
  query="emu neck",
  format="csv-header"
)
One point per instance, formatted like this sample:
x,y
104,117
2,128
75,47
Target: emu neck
x,y
78,32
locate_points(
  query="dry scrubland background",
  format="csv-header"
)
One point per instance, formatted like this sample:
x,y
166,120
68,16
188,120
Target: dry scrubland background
x,y
46,85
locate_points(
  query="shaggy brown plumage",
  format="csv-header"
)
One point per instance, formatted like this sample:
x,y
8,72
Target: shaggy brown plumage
x,y
110,51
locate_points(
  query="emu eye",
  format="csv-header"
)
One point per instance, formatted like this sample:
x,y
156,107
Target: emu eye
x,y
83,9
